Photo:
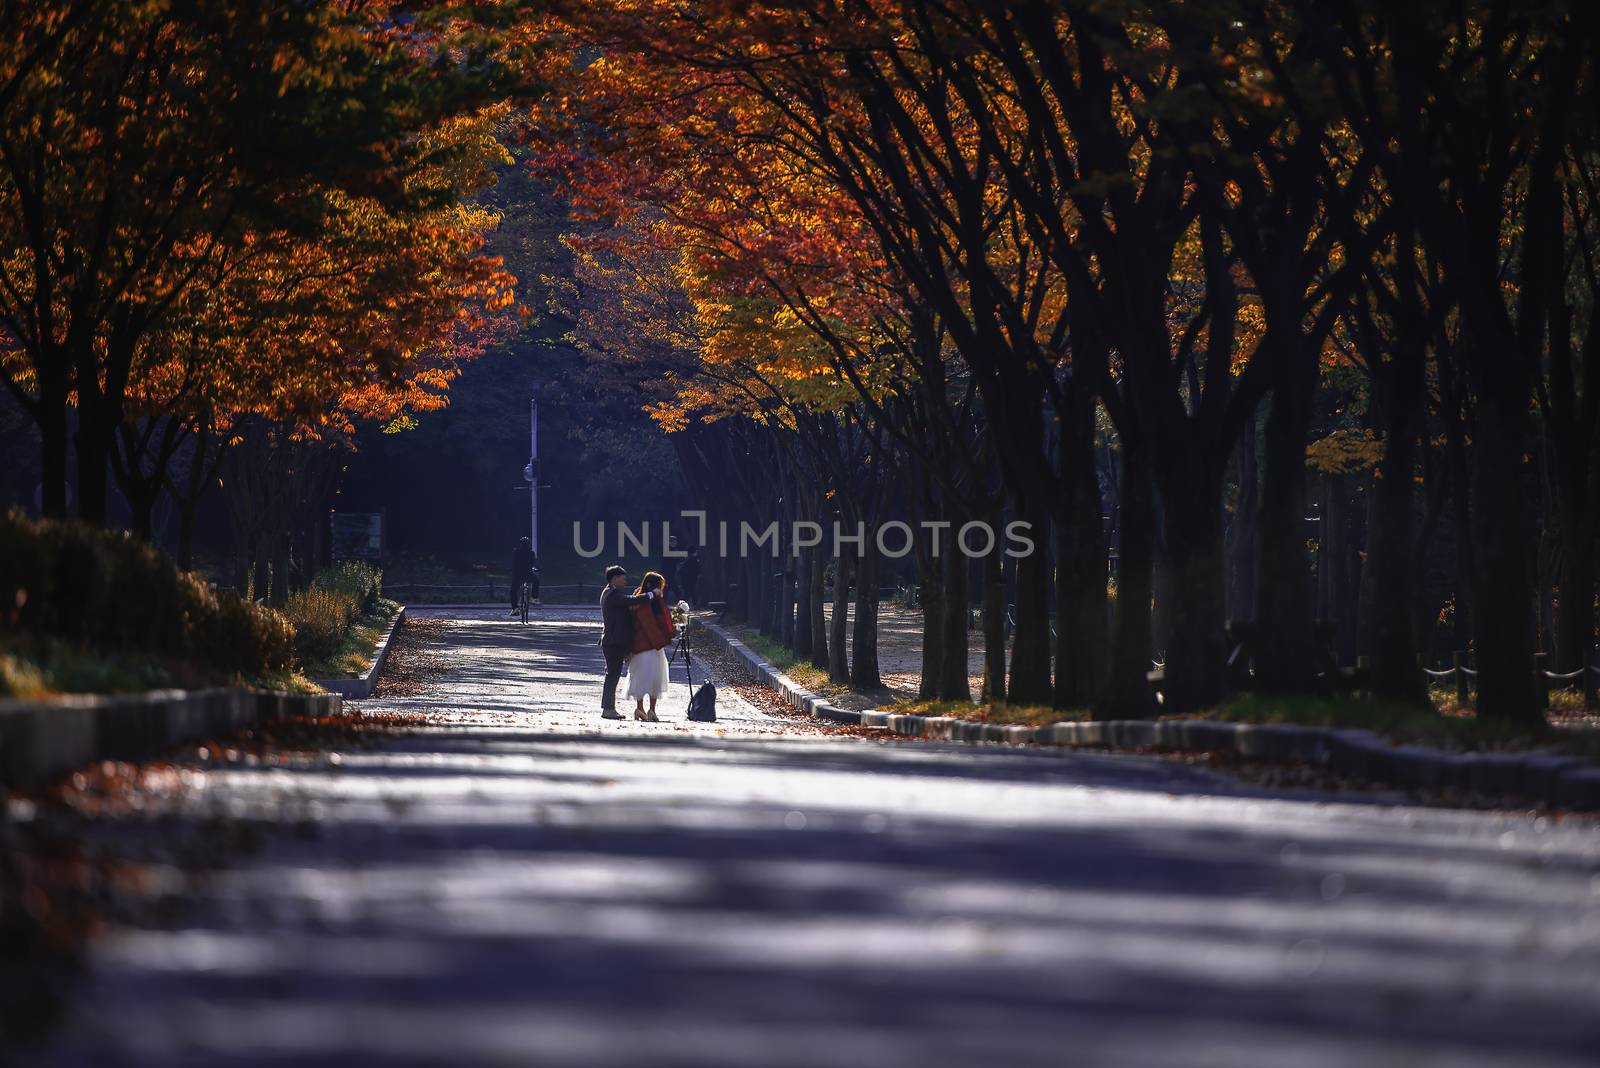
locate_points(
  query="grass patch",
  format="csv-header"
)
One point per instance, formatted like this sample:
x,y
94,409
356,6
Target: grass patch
x,y
353,655
36,668
324,612
21,678
285,682
988,712
1448,729
802,671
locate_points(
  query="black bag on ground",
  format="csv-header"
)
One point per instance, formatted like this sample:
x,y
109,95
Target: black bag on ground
x,y
702,702
703,705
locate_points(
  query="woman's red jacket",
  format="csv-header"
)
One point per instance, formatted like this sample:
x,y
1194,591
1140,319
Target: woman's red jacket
x,y
651,631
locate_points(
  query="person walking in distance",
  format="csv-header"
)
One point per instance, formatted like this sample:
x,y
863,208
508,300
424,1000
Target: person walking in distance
x,y
616,637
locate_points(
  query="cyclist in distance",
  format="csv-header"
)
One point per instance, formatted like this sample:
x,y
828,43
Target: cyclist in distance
x,y
524,569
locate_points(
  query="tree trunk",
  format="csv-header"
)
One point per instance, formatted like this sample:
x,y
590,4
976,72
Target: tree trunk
x,y
953,683
1576,507
186,518
1126,691
1081,640
94,459
52,420
803,631
1503,606
1160,586
864,631
786,601
280,571
1546,559
1388,637
1242,544
838,663
755,595
1285,660
930,580
1350,576
1197,653
142,496
1576,622
141,507
994,627
1547,563
1425,608
767,598
140,460
1460,503
1030,645
819,618
744,600
1387,634
1575,626
259,582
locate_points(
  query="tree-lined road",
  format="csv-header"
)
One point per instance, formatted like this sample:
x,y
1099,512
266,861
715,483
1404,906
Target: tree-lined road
x,y
521,883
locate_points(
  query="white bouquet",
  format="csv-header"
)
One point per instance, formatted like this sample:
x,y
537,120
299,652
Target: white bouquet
x,y
680,614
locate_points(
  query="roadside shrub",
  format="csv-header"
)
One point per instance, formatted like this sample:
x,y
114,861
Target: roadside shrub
x,y
19,678
145,602
78,579
26,569
246,638
199,603
352,578
107,591
323,613
320,618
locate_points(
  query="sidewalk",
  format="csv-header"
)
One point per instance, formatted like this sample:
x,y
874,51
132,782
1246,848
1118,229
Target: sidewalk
x,y
1541,775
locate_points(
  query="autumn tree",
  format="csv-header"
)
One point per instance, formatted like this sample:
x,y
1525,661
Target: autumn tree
x,y
1172,214
141,144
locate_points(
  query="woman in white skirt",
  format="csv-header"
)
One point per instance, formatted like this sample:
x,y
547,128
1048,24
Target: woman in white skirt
x,y
652,636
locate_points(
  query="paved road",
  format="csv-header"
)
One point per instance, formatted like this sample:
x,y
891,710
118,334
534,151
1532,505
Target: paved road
x,y
524,884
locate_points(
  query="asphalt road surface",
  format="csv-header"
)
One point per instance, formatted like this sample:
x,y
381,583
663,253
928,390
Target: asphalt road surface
x,y
522,883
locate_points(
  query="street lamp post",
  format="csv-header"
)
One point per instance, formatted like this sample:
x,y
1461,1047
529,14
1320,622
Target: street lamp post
x,y
531,474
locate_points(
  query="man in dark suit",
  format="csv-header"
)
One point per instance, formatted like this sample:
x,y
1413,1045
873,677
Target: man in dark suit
x,y
616,639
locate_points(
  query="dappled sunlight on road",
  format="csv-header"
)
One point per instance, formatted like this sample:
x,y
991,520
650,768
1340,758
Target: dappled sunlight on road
x,y
525,883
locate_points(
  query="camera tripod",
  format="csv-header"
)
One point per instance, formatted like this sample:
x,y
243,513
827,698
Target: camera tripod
x,y
682,650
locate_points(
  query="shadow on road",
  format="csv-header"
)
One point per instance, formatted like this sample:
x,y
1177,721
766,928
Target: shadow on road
x,y
483,893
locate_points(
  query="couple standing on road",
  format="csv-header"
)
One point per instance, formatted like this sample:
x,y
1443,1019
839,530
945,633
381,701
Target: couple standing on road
x,y
638,627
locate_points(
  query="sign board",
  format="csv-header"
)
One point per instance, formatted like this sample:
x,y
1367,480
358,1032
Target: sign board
x,y
356,535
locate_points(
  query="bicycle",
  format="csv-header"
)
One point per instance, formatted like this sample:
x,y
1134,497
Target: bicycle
x,y
525,600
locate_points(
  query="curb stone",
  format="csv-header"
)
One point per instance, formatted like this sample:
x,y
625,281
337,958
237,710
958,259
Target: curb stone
x,y
1540,776
1579,787
1493,773
1134,734
1279,741
1541,772
792,693
363,686
42,739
